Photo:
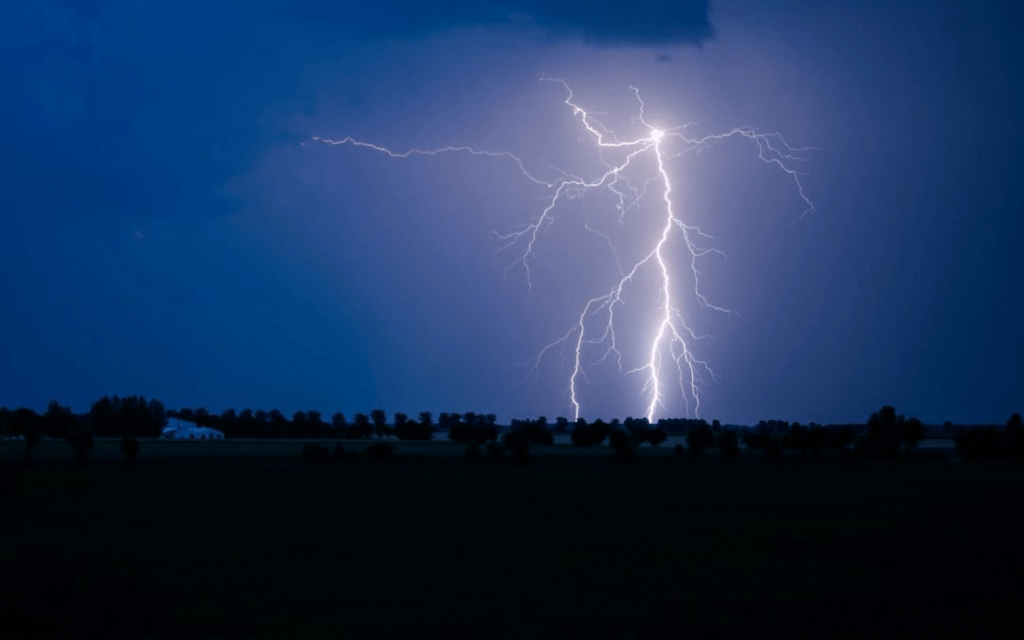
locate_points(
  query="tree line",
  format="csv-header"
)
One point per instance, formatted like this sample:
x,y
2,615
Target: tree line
x,y
886,434
311,424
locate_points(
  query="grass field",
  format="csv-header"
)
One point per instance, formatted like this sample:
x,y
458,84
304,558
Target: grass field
x,y
154,449
451,549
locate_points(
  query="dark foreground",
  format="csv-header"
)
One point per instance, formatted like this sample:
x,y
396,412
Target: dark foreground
x,y
450,549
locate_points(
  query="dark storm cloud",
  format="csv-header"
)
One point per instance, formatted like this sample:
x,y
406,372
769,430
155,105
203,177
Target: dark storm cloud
x,y
596,22
129,110
151,110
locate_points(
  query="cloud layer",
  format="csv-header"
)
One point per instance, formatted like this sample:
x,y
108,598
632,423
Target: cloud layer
x,y
596,22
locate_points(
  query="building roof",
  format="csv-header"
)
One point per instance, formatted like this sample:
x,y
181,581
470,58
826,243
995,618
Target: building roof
x,y
183,429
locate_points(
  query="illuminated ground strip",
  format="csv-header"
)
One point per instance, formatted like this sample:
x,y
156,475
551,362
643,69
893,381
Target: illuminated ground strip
x,y
670,353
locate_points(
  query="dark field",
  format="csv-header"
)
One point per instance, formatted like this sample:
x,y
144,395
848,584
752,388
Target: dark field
x,y
452,549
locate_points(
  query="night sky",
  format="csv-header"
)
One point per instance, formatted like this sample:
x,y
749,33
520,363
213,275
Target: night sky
x,y
169,229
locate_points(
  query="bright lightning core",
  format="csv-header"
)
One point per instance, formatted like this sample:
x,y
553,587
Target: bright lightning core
x,y
667,363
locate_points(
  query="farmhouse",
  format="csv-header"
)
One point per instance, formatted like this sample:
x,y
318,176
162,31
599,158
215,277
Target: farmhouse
x,y
178,429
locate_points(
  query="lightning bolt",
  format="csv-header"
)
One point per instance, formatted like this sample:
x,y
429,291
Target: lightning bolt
x,y
670,351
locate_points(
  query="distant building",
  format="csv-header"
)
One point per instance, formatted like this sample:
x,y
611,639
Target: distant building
x,y
178,429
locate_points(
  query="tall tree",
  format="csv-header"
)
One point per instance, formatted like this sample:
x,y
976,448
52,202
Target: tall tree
x,y
25,423
362,427
380,422
129,415
427,419
245,425
229,421
317,427
202,417
278,423
890,434
58,420
339,424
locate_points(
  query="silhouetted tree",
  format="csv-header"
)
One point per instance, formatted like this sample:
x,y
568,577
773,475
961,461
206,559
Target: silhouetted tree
x,y
536,431
130,449
300,425
361,426
680,425
777,427
600,430
380,422
475,428
816,437
638,430
728,444
400,420
460,427
889,434
58,420
454,420
841,438
1015,438
339,425
978,443
656,436
427,420
913,433
796,439
808,440
757,437
229,422
993,443
114,416
582,435
81,439
406,429
883,435
495,450
278,423
699,439
244,425
444,421
25,423
202,417
622,444
316,425
562,424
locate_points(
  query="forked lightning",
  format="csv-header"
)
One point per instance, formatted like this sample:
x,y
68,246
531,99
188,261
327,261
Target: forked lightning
x,y
669,354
